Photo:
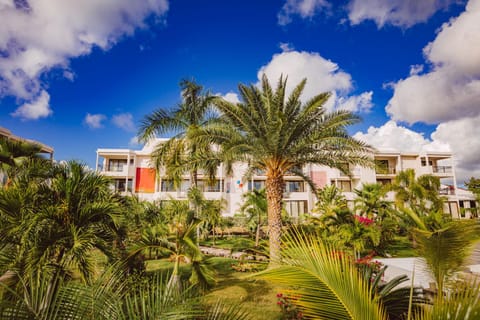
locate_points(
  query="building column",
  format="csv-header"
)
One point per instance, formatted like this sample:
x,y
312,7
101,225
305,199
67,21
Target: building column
x,y
96,163
128,169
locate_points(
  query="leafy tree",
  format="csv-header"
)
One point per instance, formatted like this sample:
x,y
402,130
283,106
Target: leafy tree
x,y
255,206
474,186
278,134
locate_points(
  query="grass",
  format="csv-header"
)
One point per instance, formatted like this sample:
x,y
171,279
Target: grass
x,y
402,248
256,296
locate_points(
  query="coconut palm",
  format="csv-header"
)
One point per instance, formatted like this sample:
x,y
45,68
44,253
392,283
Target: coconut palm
x,y
255,206
176,155
279,134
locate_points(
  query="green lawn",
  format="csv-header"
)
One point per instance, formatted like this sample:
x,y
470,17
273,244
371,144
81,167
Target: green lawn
x,y
402,248
256,296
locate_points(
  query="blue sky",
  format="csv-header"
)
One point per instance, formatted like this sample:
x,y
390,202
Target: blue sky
x,y
81,75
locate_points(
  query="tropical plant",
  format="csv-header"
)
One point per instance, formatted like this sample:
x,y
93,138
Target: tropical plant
x,y
278,134
445,244
59,221
14,154
255,206
324,283
180,153
330,199
419,194
180,244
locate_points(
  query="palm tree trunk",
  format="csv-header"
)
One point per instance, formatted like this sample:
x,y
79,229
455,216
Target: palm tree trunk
x,y
274,190
257,235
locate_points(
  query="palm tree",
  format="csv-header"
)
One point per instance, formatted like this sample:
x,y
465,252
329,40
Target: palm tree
x,y
255,206
445,244
60,221
370,201
14,154
330,199
280,134
327,284
178,154
420,194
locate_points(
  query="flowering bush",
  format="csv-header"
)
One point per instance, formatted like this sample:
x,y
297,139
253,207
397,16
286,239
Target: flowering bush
x,y
364,220
367,266
289,309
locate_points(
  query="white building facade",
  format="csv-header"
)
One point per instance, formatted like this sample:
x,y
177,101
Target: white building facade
x,y
132,172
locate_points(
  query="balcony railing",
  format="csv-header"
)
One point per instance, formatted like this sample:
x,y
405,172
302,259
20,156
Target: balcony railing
x,y
442,169
447,191
385,170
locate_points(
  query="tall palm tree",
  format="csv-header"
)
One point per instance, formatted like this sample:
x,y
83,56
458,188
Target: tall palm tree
x,y
178,153
280,134
255,206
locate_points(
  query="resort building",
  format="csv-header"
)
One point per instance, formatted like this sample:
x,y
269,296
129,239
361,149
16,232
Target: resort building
x,y
132,172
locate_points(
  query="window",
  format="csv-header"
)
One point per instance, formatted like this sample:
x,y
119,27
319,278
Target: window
x,y
344,185
294,186
116,165
296,208
424,162
131,161
384,181
167,186
119,185
382,167
204,186
257,185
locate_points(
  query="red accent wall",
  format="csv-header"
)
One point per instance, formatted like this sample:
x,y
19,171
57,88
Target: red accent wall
x,y
319,178
145,180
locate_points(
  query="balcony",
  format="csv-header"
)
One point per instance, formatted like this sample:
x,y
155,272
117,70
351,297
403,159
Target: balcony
x,y
385,170
447,191
442,169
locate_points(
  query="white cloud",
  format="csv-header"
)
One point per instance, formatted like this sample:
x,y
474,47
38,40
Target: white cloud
x,y
134,142
462,136
94,121
391,136
124,121
401,13
360,103
286,47
36,36
416,69
451,90
231,97
37,108
322,76
303,8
